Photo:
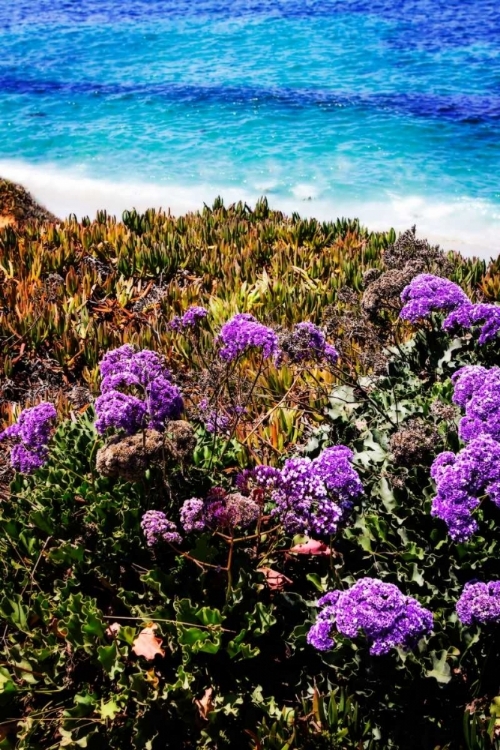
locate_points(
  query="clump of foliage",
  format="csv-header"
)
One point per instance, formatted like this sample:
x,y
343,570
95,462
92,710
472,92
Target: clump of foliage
x,y
240,543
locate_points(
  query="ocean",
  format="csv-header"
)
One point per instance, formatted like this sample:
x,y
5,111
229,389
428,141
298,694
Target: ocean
x,y
387,110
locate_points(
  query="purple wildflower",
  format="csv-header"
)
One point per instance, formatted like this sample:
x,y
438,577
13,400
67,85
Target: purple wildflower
x,y
116,360
387,617
469,315
319,636
190,319
479,603
426,293
316,496
329,599
125,367
32,433
232,511
192,515
461,480
157,528
217,424
333,465
221,510
466,381
263,477
119,411
244,332
155,399
307,342
164,402
26,461
478,390
330,354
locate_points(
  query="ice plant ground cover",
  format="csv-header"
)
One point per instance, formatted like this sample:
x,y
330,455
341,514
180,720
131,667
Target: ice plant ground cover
x,y
245,537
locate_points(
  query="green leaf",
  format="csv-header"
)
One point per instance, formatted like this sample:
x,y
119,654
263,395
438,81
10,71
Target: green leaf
x,y
109,710
14,612
7,687
440,671
66,554
209,616
387,495
190,636
316,581
262,617
110,659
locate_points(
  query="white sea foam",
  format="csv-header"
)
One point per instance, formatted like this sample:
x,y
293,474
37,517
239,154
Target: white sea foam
x,y
470,226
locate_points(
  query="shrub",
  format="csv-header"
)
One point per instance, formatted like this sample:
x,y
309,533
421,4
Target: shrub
x,y
170,601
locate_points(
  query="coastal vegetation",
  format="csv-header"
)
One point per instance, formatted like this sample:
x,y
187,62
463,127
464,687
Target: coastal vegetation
x,y
248,482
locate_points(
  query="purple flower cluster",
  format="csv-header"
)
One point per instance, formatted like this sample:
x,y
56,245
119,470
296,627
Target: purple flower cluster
x,y
215,422
479,603
477,390
157,528
220,510
466,380
469,315
155,399
311,496
307,342
32,433
244,332
426,293
387,617
316,496
303,503
190,319
192,515
263,477
461,480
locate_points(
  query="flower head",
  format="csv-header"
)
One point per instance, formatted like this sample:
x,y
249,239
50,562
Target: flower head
x,y
193,515
244,332
136,392
125,367
380,610
190,319
120,411
426,293
157,528
478,391
32,433
461,480
231,512
469,315
466,381
319,636
479,602
315,496
307,342
220,510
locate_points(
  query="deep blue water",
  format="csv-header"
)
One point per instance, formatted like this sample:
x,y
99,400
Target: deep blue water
x,y
388,110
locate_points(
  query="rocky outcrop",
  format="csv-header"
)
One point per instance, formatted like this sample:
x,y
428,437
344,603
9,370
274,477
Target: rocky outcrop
x,y
17,206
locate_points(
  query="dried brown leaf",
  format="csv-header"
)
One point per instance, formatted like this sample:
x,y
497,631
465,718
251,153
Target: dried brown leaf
x,y
147,644
205,704
274,579
311,547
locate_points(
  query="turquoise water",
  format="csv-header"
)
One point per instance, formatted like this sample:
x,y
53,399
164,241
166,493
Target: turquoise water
x,y
388,110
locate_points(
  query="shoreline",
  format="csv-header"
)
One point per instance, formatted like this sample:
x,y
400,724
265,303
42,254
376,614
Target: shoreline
x,y
466,227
